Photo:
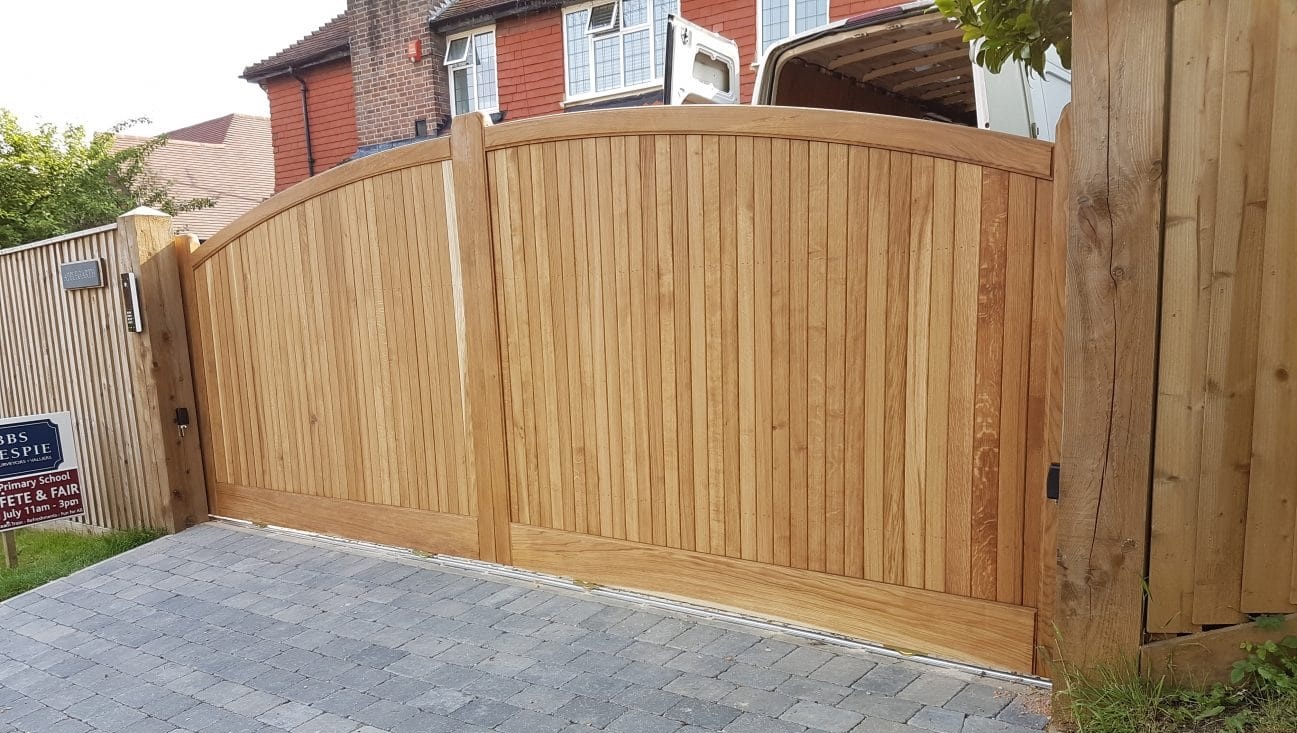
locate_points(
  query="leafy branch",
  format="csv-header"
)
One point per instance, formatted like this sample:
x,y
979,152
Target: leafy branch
x,y
1019,30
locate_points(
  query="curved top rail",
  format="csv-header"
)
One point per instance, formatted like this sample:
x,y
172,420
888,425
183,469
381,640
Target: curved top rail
x,y
943,140
406,156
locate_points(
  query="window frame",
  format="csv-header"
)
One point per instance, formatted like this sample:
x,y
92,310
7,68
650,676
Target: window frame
x,y
622,90
471,64
792,25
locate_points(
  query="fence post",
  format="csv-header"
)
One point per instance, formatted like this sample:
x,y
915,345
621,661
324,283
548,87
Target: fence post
x,y
484,386
1111,333
161,378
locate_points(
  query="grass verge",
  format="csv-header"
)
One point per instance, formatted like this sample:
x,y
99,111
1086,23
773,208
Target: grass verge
x,y
1119,701
46,555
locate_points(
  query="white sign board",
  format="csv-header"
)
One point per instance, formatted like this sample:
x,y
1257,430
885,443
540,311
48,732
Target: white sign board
x,y
40,476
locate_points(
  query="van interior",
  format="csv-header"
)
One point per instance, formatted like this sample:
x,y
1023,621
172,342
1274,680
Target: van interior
x,y
907,60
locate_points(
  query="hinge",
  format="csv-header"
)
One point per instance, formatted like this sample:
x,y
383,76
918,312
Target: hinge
x,y
1051,482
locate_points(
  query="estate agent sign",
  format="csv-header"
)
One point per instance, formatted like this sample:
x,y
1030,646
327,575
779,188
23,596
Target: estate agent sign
x,y
39,477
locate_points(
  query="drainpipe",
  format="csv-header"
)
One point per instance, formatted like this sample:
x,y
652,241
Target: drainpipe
x,y
306,122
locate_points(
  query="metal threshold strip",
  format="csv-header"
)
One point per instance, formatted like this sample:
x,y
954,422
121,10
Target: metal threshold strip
x,y
644,599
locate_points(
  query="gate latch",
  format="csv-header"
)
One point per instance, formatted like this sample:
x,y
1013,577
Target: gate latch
x,y
182,420
1051,482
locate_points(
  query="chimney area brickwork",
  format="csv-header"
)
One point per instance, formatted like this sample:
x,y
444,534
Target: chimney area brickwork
x,y
392,91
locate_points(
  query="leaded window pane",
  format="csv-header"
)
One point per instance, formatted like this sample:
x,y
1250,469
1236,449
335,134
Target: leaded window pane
x,y
639,62
484,55
607,63
578,54
774,22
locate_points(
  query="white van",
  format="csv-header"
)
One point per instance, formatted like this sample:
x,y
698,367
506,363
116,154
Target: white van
x,y
907,60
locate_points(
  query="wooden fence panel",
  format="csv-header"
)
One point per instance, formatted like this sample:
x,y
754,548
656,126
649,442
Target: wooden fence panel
x,y
809,348
68,351
330,330
1223,518
879,455
71,350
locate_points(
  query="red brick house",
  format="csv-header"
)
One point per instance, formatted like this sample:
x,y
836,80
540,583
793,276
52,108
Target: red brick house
x,y
312,103
415,63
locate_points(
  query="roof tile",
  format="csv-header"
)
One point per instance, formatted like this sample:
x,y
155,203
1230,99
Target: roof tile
x,y
330,39
229,159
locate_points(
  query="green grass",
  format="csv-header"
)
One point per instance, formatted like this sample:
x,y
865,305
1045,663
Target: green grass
x,y
1118,701
46,555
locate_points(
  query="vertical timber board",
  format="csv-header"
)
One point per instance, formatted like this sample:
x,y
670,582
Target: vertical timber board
x,y
484,384
1271,534
1113,273
162,379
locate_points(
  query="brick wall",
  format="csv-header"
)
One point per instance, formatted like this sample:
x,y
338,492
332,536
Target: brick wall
x,y
392,91
529,64
333,120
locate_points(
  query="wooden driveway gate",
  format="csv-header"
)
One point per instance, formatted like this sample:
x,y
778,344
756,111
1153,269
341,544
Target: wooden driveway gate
x,y
801,363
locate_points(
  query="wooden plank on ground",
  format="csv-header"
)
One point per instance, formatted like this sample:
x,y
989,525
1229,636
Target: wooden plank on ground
x,y
983,632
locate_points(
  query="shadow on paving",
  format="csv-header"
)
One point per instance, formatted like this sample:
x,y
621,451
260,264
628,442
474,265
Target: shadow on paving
x,y
227,628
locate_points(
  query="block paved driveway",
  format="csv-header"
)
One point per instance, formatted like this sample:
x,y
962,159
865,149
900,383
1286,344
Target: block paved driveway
x,y
227,628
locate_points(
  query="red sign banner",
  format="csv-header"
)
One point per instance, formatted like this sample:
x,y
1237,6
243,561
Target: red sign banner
x,y
40,497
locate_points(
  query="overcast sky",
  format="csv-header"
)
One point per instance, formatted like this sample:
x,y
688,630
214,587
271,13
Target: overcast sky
x,y
177,62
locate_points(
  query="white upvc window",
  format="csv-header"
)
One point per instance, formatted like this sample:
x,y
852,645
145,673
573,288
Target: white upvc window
x,y
470,65
613,46
779,19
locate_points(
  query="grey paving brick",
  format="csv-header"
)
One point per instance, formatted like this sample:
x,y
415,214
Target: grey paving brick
x,y
254,703
486,713
638,721
979,699
880,706
750,676
541,699
703,665
750,723
647,699
888,679
222,630
647,675
700,688
384,714
843,669
550,675
988,725
703,713
802,661
345,702
879,725
529,721
932,689
599,663
289,715
1018,713
591,712
495,687
822,717
763,702
400,689
440,700
597,686
937,719
327,723
804,688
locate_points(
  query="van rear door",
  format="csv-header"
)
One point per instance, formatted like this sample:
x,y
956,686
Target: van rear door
x,y
701,67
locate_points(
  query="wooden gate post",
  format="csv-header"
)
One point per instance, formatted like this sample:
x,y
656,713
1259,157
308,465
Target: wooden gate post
x,y
161,378
1113,278
483,359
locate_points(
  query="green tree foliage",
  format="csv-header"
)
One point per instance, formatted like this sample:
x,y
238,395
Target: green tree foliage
x,y
56,181
1022,30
